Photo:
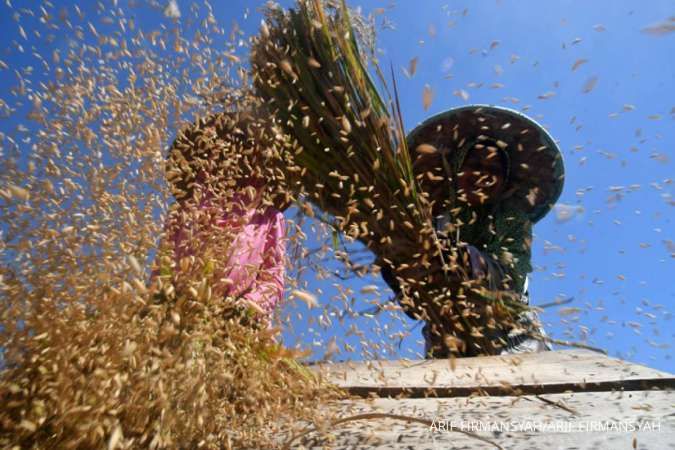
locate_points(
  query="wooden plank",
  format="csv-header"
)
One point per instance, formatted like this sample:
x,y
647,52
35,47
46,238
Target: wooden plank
x,y
585,420
534,373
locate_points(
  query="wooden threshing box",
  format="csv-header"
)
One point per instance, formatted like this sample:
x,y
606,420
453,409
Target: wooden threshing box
x,y
573,399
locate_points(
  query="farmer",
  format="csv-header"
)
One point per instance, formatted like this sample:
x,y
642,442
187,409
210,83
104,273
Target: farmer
x,y
490,173
227,221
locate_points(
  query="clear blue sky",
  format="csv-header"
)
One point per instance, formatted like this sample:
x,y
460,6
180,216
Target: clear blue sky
x,y
613,256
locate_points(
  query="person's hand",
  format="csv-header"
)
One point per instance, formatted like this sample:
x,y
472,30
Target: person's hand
x,y
477,261
282,201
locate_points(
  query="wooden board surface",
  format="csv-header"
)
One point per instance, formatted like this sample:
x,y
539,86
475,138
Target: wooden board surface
x,y
538,373
593,421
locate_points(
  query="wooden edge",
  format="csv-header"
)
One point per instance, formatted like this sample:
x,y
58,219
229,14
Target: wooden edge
x,y
524,389
554,356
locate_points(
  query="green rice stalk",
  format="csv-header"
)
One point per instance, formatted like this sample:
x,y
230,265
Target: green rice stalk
x,y
354,159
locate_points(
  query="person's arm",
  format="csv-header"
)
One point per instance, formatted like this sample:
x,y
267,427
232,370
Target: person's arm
x,y
505,264
267,289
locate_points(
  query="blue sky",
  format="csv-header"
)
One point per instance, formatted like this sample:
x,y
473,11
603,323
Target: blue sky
x,y
612,256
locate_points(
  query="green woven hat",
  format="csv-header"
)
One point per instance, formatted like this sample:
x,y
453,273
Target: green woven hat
x,y
536,169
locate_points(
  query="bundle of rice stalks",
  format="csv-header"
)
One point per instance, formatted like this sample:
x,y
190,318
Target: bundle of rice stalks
x,y
355,161
309,65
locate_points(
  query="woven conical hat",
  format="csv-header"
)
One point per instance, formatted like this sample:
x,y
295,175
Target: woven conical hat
x,y
536,174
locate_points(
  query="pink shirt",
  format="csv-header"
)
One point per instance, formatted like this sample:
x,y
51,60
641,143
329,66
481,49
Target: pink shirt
x,y
253,264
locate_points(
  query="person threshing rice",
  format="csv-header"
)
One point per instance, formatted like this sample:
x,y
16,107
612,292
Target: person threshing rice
x,y
227,223
490,173
447,210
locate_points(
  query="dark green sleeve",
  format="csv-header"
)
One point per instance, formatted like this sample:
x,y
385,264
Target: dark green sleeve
x,y
512,246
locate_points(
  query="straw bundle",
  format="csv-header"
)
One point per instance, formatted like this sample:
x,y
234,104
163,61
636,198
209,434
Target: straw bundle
x,y
356,164
354,158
